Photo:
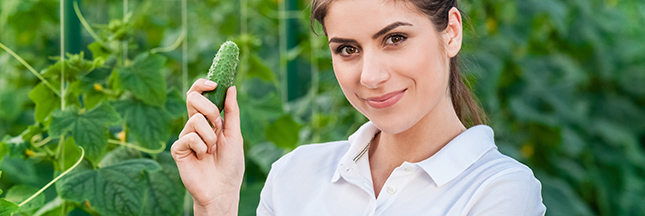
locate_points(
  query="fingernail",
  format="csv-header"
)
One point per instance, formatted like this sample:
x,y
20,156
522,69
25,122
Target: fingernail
x,y
210,84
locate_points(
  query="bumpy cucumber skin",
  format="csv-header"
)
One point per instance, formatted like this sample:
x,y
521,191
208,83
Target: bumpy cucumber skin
x,y
223,71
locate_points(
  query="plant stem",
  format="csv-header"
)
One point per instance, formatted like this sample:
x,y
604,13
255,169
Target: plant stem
x,y
171,47
63,209
313,91
40,143
60,152
184,46
87,26
283,52
62,54
244,53
55,179
188,204
125,43
139,148
33,71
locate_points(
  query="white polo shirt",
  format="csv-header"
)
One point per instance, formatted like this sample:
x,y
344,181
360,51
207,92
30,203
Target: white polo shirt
x,y
468,176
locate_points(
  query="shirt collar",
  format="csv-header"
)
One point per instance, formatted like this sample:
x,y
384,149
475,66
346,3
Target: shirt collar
x,y
358,146
444,166
459,154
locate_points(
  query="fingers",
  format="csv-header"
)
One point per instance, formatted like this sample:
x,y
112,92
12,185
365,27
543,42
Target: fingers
x,y
188,145
202,85
232,113
197,103
198,124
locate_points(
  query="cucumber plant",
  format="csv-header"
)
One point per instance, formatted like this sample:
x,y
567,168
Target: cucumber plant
x,y
103,123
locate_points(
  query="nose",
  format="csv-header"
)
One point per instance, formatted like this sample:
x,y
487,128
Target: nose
x,y
374,71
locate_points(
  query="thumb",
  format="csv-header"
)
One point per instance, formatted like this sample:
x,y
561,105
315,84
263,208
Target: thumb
x,y
231,114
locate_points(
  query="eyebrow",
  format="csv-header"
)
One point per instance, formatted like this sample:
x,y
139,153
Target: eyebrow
x,y
389,28
341,40
378,34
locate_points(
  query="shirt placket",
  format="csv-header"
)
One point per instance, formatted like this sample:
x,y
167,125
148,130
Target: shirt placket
x,y
394,185
353,174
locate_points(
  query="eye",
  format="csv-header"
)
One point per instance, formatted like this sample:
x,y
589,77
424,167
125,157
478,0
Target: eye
x,y
395,39
347,50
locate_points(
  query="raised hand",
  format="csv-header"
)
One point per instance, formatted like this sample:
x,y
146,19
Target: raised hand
x,y
209,152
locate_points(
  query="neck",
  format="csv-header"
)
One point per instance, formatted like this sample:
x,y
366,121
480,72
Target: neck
x,y
419,142
424,139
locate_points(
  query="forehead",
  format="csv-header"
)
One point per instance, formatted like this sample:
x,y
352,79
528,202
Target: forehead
x,y
369,16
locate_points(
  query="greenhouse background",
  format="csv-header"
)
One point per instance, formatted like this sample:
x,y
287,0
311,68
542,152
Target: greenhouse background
x,y
562,82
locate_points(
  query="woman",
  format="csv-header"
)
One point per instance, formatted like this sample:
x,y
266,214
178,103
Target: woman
x,y
396,63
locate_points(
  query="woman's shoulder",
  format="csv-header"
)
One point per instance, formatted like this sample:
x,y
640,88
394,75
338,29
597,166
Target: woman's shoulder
x,y
496,164
505,187
319,155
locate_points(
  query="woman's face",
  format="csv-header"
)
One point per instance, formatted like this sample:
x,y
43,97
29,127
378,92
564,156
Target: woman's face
x,y
390,61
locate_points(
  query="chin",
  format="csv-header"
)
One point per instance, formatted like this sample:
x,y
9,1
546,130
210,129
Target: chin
x,y
393,125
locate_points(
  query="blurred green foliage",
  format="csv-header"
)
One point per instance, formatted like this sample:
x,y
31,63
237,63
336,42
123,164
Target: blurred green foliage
x,y
563,83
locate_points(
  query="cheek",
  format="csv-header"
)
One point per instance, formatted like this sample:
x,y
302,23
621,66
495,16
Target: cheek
x,y
340,72
430,61
344,77
349,80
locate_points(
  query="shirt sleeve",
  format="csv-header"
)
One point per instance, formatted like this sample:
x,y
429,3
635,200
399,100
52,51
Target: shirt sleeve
x,y
265,207
267,196
512,193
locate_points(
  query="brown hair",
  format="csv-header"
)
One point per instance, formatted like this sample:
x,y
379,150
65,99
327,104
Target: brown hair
x,y
463,101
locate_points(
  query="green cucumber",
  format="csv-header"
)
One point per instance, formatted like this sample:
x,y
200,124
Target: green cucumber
x,y
223,72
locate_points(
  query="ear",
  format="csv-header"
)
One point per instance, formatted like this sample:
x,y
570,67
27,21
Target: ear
x,y
453,33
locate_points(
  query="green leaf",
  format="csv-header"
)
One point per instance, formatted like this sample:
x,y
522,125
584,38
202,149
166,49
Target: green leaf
x,y
144,79
32,130
264,154
7,208
98,50
25,171
165,191
19,193
52,208
249,198
284,132
118,189
46,101
89,129
93,98
148,125
11,103
632,81
16,146
258,69
69,157
119,154
3,151
561,199
75,65
176,105
255,115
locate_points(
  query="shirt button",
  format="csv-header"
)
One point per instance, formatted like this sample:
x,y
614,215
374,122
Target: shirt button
x,y
391,190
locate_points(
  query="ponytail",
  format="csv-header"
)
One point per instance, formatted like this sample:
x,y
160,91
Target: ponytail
x,y
463,101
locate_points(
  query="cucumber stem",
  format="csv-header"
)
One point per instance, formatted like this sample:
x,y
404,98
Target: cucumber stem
x,y
33,71
55,179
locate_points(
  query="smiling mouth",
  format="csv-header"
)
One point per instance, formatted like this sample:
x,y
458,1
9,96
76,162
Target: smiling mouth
x,y
386,100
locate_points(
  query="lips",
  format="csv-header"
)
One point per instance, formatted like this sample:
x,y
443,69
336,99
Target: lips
x,y
385,100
